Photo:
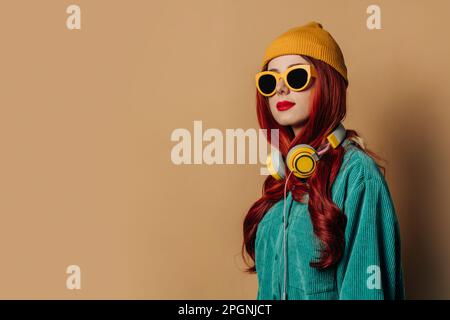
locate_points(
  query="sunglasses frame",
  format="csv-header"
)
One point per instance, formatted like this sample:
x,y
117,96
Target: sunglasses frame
x,y
309,69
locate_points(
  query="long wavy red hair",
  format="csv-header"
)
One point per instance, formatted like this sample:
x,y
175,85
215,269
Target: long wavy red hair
x,y
327,109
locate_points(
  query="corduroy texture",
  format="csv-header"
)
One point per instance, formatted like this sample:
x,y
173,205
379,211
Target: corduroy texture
x,y
372,239
310,40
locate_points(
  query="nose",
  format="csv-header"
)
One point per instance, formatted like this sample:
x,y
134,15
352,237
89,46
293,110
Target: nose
x,y
281,87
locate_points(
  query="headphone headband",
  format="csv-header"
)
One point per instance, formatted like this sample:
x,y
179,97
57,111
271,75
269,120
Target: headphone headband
x,y
337,136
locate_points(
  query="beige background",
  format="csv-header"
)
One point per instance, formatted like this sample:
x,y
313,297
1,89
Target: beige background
x,y
85,123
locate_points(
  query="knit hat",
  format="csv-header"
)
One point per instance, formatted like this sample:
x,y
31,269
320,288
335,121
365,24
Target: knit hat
x,y
309,40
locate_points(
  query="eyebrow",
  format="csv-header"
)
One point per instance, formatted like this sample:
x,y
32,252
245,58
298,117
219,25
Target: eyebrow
x,y
294,64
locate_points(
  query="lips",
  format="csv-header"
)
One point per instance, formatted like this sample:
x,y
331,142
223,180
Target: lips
x,y
284,105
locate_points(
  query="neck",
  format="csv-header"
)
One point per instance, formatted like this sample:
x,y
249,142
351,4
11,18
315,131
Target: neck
x,y
298,128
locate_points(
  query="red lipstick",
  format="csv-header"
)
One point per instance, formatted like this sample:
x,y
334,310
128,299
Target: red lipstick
x,y
285,105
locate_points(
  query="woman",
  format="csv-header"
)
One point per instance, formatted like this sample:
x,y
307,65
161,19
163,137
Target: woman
x,y
325,226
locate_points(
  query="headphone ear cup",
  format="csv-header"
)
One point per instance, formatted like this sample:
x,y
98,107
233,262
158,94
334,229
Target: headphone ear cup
x,y
275,165
301,160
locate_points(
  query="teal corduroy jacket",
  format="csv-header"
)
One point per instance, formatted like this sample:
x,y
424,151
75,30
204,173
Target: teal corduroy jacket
x,y
370,267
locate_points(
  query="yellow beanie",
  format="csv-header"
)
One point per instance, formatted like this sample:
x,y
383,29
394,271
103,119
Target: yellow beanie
x,y
309,40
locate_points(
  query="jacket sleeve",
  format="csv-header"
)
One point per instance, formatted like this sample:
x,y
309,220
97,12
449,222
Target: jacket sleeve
x,y
371,265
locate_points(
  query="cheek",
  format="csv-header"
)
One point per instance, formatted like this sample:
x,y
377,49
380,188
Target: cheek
x,y
302,99
272,102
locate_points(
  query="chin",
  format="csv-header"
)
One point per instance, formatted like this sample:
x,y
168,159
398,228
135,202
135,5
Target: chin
x,y
285,123
286,120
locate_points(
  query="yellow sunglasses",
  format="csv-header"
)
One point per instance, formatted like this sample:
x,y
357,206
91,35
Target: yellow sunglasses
x,y
296,78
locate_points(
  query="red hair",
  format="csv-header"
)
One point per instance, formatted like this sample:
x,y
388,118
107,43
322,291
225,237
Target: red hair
x,y
328,108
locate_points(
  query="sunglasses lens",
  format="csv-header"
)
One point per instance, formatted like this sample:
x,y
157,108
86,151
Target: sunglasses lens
x,y
297,78
267,83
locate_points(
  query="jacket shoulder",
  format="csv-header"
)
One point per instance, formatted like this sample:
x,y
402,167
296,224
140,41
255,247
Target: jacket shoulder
x,y
357,166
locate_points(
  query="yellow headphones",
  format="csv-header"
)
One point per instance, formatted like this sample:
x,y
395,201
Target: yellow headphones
x,y
302,159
